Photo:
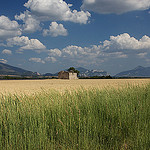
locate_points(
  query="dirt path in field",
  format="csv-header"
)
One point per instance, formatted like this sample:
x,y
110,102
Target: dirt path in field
x,y
29,87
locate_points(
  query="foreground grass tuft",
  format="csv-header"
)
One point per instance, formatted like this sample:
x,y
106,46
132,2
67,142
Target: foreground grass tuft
x,y
114,119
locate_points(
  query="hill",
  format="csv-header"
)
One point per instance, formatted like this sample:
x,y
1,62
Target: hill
x,y
136,72
6,69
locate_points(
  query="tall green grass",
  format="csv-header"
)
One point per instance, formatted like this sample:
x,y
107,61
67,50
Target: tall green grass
x,y
114,119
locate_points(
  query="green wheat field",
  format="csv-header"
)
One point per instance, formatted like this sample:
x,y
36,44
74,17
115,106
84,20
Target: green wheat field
x,y
85,119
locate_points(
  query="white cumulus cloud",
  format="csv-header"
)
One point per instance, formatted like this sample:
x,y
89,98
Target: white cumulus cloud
x,y
37,60
115,6
78,55
4,61
2,44
55,30
49,10
126,42
25,43
117,55
8,28
142,55
51,59
55,52
74,50
54,10
31,22
6,51
117,47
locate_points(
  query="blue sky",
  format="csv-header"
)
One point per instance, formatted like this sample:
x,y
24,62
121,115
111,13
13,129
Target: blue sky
x,y
52,35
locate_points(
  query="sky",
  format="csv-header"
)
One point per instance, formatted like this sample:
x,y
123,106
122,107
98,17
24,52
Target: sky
x,y
52,35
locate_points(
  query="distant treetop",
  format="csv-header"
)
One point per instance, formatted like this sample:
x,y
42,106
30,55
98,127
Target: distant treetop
x,y
72,69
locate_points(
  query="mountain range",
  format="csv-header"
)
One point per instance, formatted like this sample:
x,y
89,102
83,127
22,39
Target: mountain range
x,y
136,72
89,73
84,72
139,71
11,70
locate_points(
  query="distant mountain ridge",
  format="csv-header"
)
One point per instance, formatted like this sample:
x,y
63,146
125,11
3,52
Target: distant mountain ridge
x,y
6,69
136,72
139,71
84,72
90,73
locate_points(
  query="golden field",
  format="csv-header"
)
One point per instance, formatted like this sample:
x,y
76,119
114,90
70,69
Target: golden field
x,y
29,87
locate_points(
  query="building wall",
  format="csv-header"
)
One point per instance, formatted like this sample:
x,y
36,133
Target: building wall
x,y
72,75
67,75
63,75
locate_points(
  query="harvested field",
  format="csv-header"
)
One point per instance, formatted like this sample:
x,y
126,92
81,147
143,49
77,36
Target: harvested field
x,y
34,86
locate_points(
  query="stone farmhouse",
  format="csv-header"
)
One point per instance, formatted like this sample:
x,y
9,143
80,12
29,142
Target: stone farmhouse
x,y
67,75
